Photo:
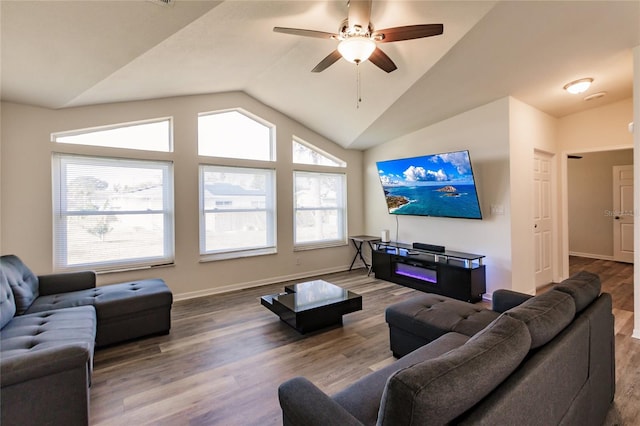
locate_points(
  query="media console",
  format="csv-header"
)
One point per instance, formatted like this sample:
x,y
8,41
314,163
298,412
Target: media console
x,y
449,273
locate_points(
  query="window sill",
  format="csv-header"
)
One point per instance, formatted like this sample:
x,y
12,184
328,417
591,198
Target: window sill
x,y
214,257
319,245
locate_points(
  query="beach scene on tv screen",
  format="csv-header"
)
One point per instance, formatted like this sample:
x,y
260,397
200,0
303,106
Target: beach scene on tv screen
x,y
431,185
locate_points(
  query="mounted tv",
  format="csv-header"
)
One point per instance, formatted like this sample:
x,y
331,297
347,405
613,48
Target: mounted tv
x,y
431,185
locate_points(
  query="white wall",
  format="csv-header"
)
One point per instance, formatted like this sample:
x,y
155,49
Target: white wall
x,y
597,129
1,251
636,189
25,189
529,130
483,131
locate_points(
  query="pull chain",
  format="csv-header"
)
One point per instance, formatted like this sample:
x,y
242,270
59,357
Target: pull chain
x,y
358,90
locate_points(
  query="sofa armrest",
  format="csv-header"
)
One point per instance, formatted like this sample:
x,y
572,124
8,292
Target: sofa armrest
x,y
66,282
503,300
303,404
45,362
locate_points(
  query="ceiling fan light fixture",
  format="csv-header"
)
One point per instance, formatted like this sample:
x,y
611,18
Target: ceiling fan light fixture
x,y
356,49
578,86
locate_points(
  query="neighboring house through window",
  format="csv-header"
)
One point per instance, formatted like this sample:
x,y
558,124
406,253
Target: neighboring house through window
x,y
238,210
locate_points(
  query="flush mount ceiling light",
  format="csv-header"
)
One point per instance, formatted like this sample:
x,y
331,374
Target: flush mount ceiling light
x,y
578,86
356,49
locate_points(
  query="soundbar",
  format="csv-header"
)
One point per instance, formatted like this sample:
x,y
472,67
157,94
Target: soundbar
x,y
429,247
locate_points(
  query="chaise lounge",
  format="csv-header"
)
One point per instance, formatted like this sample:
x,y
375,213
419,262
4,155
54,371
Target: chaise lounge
x,y
544,360
49,326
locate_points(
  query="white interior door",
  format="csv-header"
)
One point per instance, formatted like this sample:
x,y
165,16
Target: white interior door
x,y
623,213
542,218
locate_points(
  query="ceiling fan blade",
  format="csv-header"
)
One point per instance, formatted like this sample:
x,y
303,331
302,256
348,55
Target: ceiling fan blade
x,y
359,13
408,32
304,33
328,61
382,61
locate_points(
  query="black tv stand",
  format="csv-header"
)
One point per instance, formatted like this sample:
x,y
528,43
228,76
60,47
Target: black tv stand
x,y
449,273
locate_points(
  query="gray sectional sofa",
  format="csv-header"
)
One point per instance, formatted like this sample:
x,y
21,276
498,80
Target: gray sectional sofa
x,y
544,360
49,327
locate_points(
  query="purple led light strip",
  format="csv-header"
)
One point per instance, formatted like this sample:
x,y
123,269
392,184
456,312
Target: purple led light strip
x,y
417,276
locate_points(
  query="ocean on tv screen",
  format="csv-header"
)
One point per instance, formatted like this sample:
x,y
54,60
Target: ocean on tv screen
x,y
431,185
447,201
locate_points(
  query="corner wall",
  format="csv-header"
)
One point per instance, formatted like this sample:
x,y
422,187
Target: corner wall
x,y
529,130
26,203
636,190
483,131
501,138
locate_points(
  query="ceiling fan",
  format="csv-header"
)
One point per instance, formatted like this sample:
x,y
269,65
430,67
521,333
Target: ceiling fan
x,y
358,38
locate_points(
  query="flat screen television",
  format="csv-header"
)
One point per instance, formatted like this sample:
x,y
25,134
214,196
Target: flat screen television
x,y
431,185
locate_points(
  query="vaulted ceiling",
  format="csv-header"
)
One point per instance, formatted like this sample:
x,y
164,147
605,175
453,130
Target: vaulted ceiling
x,y
61,54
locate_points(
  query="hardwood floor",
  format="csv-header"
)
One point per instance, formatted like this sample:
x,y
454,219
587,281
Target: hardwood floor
x,y
226,355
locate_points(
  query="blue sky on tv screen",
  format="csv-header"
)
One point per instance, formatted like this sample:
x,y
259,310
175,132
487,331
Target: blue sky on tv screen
x,y
439,169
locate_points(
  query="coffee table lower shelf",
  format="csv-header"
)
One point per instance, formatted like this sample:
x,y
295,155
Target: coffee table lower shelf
x,y
313,305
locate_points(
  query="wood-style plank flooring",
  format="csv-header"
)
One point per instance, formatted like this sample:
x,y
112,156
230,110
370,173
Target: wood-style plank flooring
x,y
226,355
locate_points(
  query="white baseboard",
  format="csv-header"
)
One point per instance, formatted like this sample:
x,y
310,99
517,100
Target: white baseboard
x,y
636,334
259,283
591,255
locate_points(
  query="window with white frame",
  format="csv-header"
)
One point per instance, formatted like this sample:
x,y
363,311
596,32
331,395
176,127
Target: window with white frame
x,y
305,153
237,211
112,213
149,135
235,134
320,208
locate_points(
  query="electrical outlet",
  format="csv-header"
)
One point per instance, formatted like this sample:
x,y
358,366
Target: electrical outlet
x,y
497,209
298,262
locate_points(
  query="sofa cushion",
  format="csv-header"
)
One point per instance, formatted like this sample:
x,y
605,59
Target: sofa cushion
x,y
430,316
111,300
438,390
7,302
362,398
35,331
584,287
23,282
545,315
46,331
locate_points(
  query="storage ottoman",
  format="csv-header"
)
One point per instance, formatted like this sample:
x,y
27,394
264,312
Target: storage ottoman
x,y
420,320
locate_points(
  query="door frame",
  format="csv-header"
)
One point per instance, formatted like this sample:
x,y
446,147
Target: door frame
x,y
564,159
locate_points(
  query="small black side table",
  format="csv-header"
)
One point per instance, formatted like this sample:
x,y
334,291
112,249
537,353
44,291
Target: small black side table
x,y
357,241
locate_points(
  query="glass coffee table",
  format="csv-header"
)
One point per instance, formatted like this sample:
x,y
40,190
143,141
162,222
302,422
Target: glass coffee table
x,y
312,305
